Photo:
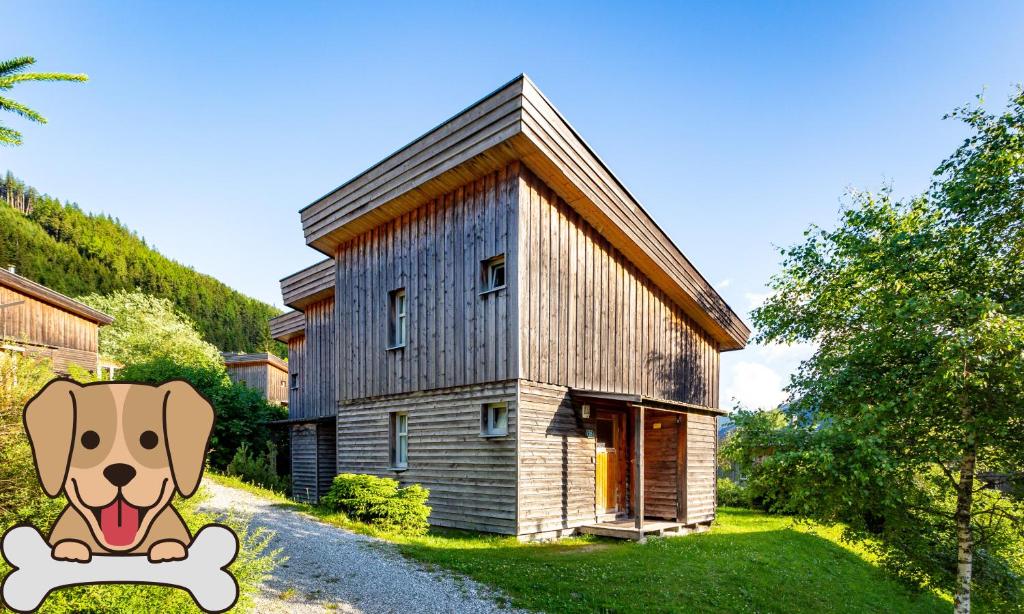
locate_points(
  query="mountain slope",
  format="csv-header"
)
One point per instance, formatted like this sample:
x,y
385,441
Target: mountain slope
x,y
76,253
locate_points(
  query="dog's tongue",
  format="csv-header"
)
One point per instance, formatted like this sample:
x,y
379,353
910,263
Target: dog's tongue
x,y
119,522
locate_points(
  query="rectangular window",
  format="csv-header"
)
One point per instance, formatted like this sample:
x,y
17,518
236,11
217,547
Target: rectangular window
x,y
494,420
295,381
398,326
492,274
399,440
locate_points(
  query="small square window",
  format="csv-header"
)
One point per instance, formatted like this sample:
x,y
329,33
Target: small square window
x,y
399,440
492,274
494,420
397,320
295,381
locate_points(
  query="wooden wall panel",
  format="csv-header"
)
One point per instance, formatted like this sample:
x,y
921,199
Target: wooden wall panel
x,y
590,319
326,456
296,365
556,462
270,381
312,356
304,462
472,479
47,332
456,335
661,447
702,462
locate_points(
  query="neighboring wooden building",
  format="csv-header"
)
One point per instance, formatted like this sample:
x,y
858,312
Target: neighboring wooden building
x,y
46,324
310,335
507,326
262,371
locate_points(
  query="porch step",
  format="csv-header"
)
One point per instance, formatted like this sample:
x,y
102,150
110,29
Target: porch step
x,y
626,529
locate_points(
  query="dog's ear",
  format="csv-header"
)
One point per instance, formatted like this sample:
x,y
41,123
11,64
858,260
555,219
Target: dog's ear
x,y
188,422
50,424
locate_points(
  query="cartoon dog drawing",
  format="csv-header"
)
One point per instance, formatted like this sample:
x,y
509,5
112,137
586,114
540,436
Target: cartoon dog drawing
x,y
118,452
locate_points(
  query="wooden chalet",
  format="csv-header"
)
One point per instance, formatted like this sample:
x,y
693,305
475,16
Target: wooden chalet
x,y
260,370
42,323
499,320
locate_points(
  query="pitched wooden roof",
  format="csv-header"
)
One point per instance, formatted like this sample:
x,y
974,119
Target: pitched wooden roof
x,y
287,326
237,359
517,122
311,284
41,293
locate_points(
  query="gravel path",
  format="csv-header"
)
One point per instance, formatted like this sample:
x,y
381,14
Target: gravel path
x,y
331,569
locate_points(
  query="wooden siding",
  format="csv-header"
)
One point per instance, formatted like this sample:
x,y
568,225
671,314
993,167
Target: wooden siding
x,y
312,284
472,479
589,319
261,371
661,450
287,325
456,335
304,462
312,357
556,462
48,332
326,456
297,365
517,122
701,465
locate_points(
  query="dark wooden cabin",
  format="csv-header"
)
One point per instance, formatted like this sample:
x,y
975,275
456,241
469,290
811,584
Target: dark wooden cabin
x,y
42,323
260,370
309,333
510,328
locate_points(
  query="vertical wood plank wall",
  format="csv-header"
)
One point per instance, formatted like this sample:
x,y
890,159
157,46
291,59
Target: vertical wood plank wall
x,y
702,459
326,456
556,462
313,359
269,380
304,462
298,366
591,320
661,446
472,479
456,335
48,332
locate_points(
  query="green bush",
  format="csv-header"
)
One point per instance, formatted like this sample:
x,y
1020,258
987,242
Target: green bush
x,y
258,469
380,502
731,494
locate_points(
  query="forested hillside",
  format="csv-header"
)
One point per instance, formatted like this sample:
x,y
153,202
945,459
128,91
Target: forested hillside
x,y
76,253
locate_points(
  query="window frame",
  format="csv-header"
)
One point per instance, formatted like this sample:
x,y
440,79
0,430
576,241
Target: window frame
x,y
487,274
488,414
397,438
293,381
398,319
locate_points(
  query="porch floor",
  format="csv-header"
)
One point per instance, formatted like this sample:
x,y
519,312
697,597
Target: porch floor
x,y
625,528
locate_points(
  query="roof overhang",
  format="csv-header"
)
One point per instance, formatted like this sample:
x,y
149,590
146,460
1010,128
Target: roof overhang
x,y
53,298
288,326
639,400
517,122
311,284
256,358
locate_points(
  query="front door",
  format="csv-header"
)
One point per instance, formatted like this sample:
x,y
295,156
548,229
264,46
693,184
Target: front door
x,y
609,489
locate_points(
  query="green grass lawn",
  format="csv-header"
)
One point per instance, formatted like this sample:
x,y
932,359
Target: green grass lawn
x,y
749,562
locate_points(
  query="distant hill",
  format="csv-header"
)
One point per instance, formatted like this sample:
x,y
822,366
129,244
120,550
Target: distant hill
x,y
75,253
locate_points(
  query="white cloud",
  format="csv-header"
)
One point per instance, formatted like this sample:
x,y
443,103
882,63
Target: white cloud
x,y
725,283
754,386
756,299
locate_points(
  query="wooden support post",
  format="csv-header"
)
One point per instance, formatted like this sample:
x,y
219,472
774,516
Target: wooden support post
x,y
638,463
682,468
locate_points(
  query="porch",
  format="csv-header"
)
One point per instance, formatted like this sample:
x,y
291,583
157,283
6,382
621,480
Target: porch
x,y
654,464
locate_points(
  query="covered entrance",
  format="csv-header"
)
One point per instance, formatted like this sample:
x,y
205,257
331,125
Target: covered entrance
x,y
642,468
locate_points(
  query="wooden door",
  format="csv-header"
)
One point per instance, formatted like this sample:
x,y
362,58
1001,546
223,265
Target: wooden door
x,y
608,490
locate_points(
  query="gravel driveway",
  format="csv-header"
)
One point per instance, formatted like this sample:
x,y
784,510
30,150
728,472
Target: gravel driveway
x,y
331,569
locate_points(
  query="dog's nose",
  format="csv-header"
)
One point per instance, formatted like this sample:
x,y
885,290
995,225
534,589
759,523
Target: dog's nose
x,y
119,474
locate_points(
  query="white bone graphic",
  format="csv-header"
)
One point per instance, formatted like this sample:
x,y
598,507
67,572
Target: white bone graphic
x,y
202,573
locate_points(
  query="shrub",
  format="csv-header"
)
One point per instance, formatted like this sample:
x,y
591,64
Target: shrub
x,y
258,469
731,494
380,502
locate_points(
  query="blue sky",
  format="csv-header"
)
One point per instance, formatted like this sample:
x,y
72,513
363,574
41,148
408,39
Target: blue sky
x,y
206,128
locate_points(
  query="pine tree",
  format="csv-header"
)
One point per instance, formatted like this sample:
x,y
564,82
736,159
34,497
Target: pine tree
x,y
12,72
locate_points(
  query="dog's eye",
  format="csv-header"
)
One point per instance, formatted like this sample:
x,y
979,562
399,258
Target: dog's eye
x,y
148,440
90,439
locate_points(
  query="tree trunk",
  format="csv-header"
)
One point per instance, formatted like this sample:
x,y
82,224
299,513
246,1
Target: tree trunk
x,y
964,536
